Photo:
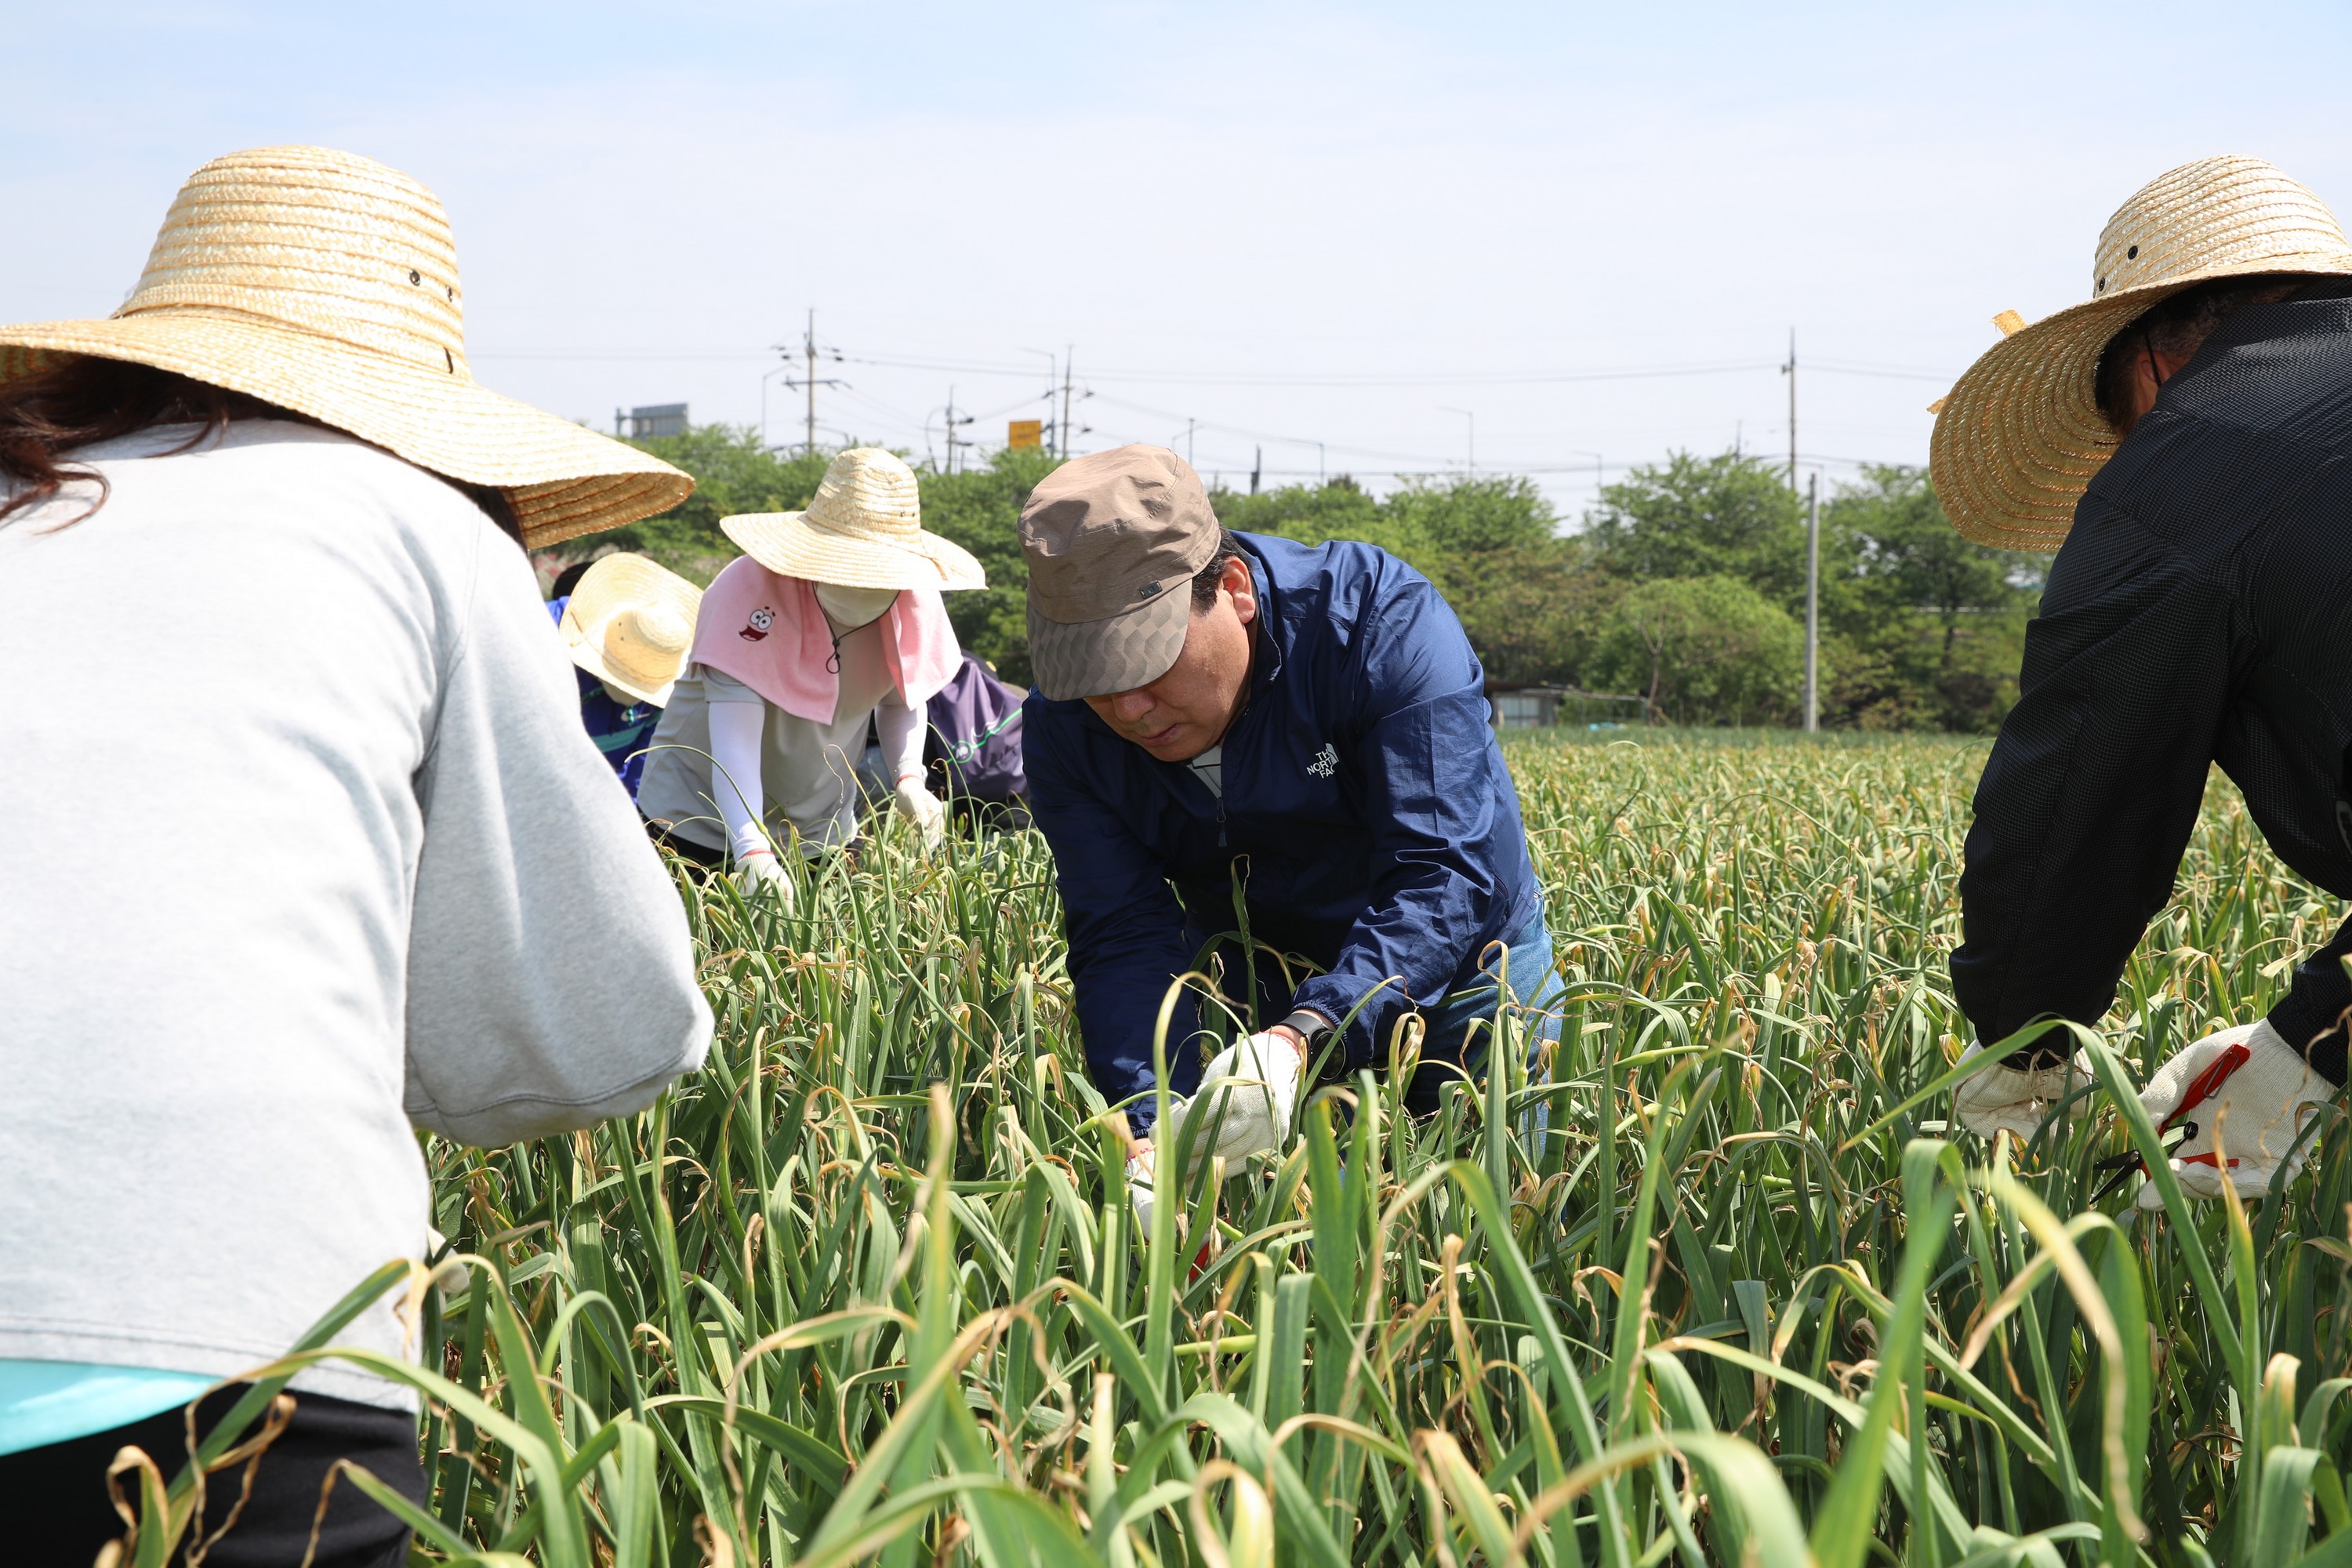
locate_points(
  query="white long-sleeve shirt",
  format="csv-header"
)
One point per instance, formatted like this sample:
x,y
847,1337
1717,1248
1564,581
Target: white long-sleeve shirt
x,y
302,844
773,774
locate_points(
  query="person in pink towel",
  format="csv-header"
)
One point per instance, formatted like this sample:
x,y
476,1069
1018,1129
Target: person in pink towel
x,y
831,620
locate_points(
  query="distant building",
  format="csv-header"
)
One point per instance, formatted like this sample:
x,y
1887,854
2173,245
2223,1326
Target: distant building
x,y
653,420
1524,707
1532,707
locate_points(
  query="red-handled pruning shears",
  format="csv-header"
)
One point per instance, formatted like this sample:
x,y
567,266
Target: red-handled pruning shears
x,y
2203,1088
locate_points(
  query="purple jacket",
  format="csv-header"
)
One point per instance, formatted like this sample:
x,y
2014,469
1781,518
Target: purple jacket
x,y
975,735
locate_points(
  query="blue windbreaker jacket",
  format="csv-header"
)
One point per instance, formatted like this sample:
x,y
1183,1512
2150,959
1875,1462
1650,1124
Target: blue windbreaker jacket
x,y
1367,815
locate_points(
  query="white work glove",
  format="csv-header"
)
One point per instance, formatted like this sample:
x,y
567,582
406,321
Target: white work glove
x,y
1139,1194
2256,1085
1138,1189
450,1276
926,810
2015,1099
1245,1099
760,868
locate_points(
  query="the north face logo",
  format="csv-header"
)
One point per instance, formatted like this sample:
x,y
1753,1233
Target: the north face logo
x,y
1326,762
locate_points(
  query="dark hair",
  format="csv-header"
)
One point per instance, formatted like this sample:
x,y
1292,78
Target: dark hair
x,y
1205,581
86,400
569,579
2178,326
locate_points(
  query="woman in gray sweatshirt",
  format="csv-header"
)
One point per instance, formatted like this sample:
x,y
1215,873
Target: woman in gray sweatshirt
x,y
302,847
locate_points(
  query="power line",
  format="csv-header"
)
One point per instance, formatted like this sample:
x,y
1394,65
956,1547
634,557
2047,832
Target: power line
x,y
1248,378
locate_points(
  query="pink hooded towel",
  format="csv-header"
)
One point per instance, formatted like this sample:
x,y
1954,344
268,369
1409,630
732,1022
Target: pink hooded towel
x,y
768,632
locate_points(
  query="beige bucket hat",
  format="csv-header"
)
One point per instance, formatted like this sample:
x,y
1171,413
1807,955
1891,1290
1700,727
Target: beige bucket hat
x,y
863,529
2020,435
327,283
630,624
1113,539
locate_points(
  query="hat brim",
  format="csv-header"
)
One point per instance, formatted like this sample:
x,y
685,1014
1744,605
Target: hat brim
x,y
615,583
652,697
1071,659
786,544
2020,438
563,480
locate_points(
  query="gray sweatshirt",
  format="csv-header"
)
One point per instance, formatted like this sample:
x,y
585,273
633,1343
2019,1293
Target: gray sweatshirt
x,y
302,844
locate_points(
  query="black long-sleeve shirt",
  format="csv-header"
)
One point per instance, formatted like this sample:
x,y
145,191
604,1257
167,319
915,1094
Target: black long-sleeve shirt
x,y
2199,612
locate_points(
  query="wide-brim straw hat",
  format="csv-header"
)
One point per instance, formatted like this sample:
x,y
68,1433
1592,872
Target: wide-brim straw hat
x,y
863,529
327,283
630,624
2020,435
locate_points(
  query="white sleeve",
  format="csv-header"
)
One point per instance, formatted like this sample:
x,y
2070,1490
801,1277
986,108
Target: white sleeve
x,y
551,975
737,731
900,731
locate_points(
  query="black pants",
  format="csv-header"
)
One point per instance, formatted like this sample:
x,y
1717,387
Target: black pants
x,y
54,1507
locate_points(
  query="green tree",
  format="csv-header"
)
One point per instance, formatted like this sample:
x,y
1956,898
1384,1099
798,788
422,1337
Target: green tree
x,y
1314,514
1472,515
1534,611
1922,628
734,473
1704,650
1527,599
1931,627
979,509
1919,627
1725,516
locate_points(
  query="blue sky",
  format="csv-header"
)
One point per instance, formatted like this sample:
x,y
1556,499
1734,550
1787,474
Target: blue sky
x,y
1390,229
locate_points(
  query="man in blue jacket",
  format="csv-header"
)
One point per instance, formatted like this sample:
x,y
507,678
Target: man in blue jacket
x,y
1236,732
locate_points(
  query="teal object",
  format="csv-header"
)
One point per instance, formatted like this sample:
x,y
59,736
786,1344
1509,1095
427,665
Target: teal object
x,y
45,1402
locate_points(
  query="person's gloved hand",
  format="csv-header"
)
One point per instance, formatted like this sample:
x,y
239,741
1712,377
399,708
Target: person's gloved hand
x,y
1246,1098
1139,1188
2015,1099
1140,1194
760,868
2255,1086
450,1276
926,810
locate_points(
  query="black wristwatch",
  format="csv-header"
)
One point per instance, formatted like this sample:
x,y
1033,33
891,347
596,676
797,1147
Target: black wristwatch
x,y
1313,1031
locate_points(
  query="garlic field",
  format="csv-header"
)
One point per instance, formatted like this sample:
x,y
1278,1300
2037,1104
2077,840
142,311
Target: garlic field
x,y
1712,1288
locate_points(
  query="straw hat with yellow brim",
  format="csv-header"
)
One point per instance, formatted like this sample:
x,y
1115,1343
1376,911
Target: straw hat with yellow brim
x,y
2020,435
326,283
630,624
863,529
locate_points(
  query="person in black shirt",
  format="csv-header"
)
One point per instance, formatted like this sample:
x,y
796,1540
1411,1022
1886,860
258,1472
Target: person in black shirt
x,y
2185,434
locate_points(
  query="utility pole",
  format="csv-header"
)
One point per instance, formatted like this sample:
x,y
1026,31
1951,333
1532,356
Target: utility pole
x,y
1062,431
1255,465
1812,601
1189,424
810,382
952,422
1791,368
